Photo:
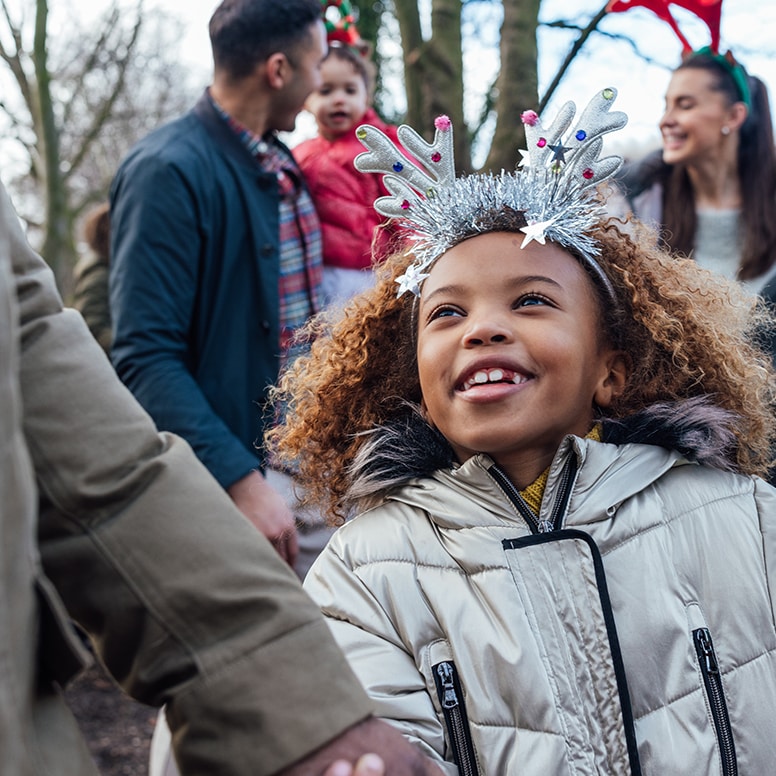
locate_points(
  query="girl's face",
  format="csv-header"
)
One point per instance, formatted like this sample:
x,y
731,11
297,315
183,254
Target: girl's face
x,y
695,114
341,100
511,356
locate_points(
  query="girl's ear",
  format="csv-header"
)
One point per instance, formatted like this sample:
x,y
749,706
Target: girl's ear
x,y
614,381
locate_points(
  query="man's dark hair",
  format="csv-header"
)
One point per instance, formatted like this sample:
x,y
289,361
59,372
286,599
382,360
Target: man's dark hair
x,y
244,33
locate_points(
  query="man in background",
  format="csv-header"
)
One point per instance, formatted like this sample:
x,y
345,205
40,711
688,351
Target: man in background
x,y
215,251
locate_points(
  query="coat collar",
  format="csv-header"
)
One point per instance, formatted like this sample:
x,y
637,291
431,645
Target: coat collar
x,y
635,451
467,496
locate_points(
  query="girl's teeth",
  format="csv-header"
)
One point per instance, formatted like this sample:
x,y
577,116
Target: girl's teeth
x,y
486,376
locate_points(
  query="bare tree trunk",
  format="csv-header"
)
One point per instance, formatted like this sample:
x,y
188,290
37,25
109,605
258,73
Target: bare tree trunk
x,y
58,247
408,17
443,71
433,71
517,84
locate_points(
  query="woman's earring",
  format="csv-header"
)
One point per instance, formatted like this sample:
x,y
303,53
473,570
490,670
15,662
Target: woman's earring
x,y
725,130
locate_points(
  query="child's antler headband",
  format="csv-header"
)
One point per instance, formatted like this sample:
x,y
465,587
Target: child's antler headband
x,y
551,191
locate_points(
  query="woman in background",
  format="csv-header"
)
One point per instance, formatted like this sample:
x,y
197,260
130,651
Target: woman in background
x,y
711,191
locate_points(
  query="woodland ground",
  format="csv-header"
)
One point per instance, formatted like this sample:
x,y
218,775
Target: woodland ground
x,y
117,729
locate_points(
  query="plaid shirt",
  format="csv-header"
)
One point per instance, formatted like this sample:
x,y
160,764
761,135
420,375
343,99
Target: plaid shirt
x,y
301,264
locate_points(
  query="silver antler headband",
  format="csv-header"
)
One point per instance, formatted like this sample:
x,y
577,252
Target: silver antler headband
x,y
552,189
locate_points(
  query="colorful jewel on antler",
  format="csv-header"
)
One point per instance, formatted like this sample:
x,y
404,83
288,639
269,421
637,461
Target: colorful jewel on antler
x,y
551,194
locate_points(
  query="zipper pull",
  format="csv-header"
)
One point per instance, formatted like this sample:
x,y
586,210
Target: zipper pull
x,y
545,526
445,672
704,642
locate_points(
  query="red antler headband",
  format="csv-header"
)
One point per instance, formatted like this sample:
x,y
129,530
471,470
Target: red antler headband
x,y
708,11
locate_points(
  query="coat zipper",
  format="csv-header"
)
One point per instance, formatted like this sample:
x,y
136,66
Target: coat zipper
x,y
558,512
716,695
454,711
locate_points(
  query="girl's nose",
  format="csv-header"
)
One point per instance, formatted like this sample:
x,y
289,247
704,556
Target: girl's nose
x,y
486,330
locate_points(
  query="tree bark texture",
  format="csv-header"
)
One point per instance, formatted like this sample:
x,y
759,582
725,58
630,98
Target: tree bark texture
x,y
517,83
433,71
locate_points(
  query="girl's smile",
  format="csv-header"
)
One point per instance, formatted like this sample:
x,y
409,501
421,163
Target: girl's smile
x,y
511,356
481,381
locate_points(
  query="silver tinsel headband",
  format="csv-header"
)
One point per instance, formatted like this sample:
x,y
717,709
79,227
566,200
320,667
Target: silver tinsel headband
x,y
551,190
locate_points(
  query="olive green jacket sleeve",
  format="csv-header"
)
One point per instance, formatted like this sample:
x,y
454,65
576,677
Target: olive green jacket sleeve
x,y
187,603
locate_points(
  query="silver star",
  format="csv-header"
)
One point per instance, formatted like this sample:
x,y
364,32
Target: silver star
x,y
536,230
525,159
411,280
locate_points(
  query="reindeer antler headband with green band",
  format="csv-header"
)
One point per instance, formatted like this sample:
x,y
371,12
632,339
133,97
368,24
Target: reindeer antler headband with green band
x,y
551,190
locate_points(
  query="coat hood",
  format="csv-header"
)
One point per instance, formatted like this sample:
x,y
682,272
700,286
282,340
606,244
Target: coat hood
x,y
408,448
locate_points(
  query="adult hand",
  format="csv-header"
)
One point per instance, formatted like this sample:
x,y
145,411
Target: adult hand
x,y
268,511
371,748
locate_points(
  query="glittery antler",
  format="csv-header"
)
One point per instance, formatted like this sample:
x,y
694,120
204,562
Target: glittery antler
x,y
578,154
408,181
549,198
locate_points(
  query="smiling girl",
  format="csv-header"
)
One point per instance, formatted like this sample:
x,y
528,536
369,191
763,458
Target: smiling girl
x,y
560,560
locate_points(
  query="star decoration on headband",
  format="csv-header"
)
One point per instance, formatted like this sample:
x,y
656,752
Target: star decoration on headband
x,y
547,198
411,280
559,152
536,230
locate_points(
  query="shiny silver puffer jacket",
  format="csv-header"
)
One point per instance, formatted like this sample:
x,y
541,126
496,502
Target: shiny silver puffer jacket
x,y
629,630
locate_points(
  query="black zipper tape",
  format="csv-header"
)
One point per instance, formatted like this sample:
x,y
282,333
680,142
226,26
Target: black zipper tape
x,y
451,699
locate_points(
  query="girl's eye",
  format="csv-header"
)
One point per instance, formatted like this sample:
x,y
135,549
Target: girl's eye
x,y
531,300
444,311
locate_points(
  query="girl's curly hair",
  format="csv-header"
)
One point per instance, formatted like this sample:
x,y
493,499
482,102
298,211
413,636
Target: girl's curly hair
x,y
686,331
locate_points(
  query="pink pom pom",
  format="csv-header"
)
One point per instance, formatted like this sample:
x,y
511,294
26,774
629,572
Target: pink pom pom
x,y
529,117
443,123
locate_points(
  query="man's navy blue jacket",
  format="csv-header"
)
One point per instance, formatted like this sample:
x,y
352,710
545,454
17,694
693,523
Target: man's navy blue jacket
x,y
194,286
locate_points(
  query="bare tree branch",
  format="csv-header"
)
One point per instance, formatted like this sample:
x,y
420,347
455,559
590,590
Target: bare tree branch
x,y
84,96
106,108
573,51
84,66
14,58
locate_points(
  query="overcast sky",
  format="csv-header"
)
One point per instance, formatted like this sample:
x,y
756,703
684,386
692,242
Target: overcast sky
x,y
748,28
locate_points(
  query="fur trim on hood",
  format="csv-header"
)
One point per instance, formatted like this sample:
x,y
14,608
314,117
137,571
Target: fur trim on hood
x,y
409,447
